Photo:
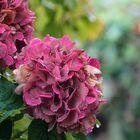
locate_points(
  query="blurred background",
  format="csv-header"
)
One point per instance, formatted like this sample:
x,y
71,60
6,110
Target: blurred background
x,y
110,31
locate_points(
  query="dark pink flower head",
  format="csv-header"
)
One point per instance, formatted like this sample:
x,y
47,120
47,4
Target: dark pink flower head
x,y
60,84
16,27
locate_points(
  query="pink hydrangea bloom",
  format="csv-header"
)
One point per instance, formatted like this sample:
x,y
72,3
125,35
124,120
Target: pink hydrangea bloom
x,y
60,84
16,27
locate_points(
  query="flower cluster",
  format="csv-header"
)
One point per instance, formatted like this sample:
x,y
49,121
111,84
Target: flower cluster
x,y
16,28
60,84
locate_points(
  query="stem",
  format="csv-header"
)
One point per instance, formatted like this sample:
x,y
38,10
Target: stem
x,y
18,134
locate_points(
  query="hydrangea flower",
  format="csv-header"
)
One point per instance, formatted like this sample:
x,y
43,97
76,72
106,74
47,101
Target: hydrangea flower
x,y
16,27
60,84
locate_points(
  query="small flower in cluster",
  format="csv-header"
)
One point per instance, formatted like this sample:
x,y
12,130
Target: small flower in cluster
x,y
16,28
60,84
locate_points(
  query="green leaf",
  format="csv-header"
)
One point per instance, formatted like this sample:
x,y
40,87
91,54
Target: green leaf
x,y
38,130
98,123
69,136
10,103
8,74
80,136
6,130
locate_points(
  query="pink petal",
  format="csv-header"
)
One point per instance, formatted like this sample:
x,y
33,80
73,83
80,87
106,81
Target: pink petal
x,y
3,50
90,100
66,41
95,63
71,119
31,100
8,60
79,96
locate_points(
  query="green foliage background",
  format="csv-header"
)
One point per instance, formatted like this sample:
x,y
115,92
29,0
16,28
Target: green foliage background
x,y
108,30
118,48
73,17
